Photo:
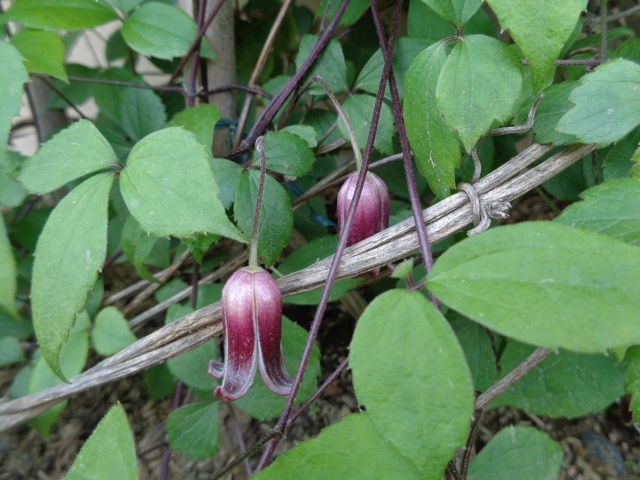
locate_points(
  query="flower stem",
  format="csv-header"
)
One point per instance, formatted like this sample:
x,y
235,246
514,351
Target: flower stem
x,y
253,249
342,243
343,116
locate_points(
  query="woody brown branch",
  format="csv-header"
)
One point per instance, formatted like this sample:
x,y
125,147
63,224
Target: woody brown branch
x,y
443,219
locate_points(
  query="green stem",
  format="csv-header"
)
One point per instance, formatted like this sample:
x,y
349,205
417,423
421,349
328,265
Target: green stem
x,y
253,249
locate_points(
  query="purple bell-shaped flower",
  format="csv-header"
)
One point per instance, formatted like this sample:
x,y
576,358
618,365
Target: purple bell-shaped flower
x,y
372,212
252,318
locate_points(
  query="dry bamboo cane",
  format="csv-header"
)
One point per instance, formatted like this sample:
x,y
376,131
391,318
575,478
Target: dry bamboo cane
x,y
443,219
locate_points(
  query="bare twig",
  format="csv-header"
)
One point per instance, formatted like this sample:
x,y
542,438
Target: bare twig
x,y
224,270
343,116
235,425
531,118
247,454
66,99
616,16
257,70
235,86
120,83
329,380
506,382
443,219
471,440
161,277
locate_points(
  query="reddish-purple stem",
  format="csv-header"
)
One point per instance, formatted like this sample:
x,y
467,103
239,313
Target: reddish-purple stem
x,y
423,239
196,42
195,63
166,455
253,249
276,104
342,243
336,373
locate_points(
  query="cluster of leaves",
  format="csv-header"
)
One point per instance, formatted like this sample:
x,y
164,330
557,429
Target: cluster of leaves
x,y
140,178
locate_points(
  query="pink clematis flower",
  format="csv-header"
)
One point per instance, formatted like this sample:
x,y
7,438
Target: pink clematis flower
x,y
252,319
372,212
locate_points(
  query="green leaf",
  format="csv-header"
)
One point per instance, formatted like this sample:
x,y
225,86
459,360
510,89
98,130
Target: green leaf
x,y
475,340
10,351
199,245
607,104
305,132
276,214
111,332
12,76
612,208
355,10
70,252
422,21
330,65
260,402
200,120
525,450
359,111
125,6
436,149
569,184
407,49
11,326
545,284
191,367
286,153
158,30
403,269
74,152
554,104
8,283
60,14
622,157
411,375
169,188
632,380
137,245
109,452
456,12
565,384
227,175
127,114
12,193
307,255
479,86
43,52
159,383
541,29
73,357
193,430
351,448
136,112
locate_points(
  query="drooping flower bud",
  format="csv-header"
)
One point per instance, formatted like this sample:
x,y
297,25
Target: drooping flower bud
x,y
252,319
372,212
